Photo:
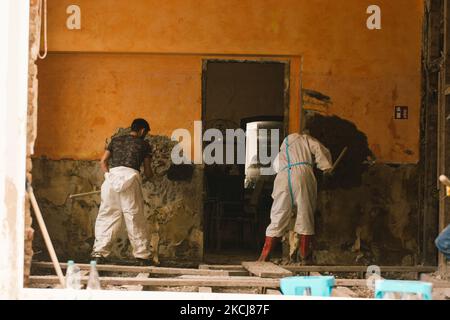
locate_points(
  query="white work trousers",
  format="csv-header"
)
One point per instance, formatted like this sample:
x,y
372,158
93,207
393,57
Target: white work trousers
x,y
304,189
121,197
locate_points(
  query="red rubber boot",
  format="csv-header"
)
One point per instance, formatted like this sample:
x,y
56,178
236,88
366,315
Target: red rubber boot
x,y
269,244
306,248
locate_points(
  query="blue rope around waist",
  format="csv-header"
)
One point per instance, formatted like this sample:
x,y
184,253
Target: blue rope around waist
x,y
289,167
296,165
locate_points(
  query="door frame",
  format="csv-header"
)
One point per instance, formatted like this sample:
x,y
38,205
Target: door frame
x,y
286,103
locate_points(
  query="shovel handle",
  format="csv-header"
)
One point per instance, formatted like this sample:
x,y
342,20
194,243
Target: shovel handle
x,y
77,195
339,159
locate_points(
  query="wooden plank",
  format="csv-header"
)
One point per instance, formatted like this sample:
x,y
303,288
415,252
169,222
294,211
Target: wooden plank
x,y
198,281
233,270
273,292
363,283
137,287
243,273
205,289
234,267
237,278
151,270
312,268
350,283
266,269
420,269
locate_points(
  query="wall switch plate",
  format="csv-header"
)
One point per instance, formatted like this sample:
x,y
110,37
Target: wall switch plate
x,y
401,113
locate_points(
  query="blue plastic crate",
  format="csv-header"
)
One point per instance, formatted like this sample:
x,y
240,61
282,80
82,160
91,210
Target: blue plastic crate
x,y
320,286
402,286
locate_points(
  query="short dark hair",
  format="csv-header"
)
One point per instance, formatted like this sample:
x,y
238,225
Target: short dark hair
x,y
139,124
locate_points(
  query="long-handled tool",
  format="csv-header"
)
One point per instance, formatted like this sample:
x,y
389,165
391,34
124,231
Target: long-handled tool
x,y
84,194
341,155
48,241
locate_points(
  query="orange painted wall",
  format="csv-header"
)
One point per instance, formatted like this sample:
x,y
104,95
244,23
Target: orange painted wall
x,y
84,98
366,73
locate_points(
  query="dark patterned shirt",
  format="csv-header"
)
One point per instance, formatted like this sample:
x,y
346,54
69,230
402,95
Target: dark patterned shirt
x,y
128,151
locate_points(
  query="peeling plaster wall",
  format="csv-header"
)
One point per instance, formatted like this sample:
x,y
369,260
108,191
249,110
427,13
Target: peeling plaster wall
x,y
172,208
374,223
31,126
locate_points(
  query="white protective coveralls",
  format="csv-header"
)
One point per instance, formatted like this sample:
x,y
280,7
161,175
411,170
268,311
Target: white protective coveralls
x,y
301,151
121,196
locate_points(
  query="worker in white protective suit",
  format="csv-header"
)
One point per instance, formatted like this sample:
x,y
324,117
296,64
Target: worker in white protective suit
x,y
121,194
295,186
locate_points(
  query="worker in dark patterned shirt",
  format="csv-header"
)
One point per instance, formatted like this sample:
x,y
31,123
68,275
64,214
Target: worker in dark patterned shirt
x,y
121,194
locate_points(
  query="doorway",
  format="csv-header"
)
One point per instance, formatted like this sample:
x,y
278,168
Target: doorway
x,y
247,95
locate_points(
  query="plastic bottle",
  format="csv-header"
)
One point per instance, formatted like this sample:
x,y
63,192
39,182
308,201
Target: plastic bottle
x,y
94,279
73,277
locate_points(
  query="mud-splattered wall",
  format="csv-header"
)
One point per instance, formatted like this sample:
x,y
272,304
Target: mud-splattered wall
x,y
373,223
173,207
368,213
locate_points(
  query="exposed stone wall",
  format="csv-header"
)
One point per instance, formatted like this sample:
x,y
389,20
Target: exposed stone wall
x,y
172,207
374,220
367,213
31,126
374,223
